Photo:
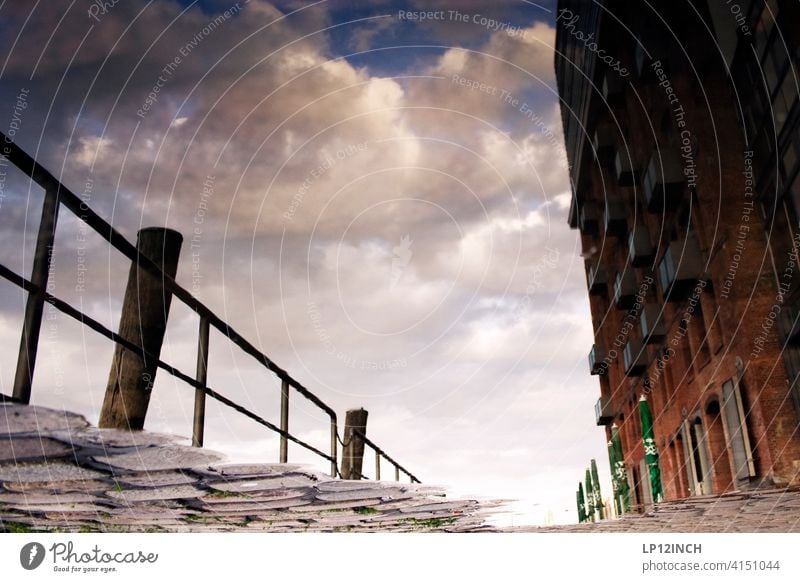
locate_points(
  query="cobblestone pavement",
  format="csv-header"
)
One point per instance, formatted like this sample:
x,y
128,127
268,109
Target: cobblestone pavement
x,y
57,473
771,510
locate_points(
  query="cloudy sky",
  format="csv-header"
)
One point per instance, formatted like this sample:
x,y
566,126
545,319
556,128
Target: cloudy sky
x,y
378,202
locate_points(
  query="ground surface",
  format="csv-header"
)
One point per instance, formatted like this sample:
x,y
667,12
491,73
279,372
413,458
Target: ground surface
x,y
772,510
57,473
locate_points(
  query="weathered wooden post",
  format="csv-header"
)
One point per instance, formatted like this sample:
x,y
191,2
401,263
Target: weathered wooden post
x,y
199,423
284,448
143,322
353,450
34,307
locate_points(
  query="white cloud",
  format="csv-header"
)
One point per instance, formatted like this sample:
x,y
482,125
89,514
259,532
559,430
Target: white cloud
x,y
91,150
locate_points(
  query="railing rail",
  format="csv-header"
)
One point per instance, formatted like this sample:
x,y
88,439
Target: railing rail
x,y
57,195
381,453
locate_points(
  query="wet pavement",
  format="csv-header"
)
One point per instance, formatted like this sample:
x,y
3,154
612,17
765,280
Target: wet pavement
x,y
765,510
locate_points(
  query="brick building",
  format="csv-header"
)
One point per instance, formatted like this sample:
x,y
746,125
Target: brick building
x,y
682,135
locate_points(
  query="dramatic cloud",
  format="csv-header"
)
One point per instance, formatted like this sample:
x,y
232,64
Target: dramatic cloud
x,y
395,236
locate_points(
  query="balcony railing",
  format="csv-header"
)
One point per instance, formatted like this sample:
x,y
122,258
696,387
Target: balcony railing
x,y
603,412
625,289
649,48
651,323
624,168
680,268
640,250
597,279
613,89
664,182
604,141
634,357
597,365
588,218
615,218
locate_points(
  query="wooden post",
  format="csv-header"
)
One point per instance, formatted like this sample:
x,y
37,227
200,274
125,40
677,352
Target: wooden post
x,y
199,424
334,447
29,343
143,322
377,466
353,451
284,453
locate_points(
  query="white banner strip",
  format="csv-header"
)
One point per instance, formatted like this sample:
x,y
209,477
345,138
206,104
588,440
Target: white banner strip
x,y
378,557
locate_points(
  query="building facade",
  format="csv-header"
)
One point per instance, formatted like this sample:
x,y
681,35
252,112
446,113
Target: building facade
x,y
682,135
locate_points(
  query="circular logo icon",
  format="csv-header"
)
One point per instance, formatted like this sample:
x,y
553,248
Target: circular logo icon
x,y
31,555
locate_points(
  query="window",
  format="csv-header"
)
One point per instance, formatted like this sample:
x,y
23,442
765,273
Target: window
x,y
790,159
764,25
686,350
700,457
736,433
702,336
689,463
784,101
794,195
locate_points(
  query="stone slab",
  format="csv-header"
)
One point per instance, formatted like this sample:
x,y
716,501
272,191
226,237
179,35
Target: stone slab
x,y
155,493
256,506
45,497
216,497
156,479
51,508
101,438
358,494
449,506
17,450
17,419
335,507
159,459
248,470
252,485
53,471
340,486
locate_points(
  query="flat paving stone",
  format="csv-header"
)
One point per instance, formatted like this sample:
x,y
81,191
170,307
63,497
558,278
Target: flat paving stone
x,y
88,486
256,506
334,507
50,508
215,497
341,486
146,513
253,485
358,494
45,471
249,470
47,497
159,458
16,419
445,506
92,437
155,493
157,479
17,450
